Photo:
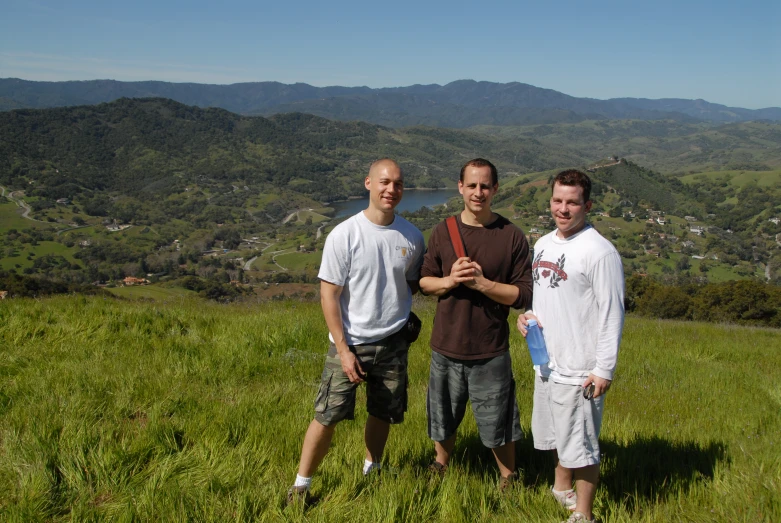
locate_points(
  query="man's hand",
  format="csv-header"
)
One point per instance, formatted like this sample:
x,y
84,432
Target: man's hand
x,y
461,272
478,282
601,385
351,366
523,322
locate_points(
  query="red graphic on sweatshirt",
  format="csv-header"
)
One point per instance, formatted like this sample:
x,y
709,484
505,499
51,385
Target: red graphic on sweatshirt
x,y
554,270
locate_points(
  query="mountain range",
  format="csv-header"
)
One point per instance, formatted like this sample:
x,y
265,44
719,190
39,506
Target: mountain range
x,y
459,104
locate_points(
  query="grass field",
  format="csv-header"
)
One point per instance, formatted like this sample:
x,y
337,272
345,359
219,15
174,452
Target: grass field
x,y
316,217
131,411
11,218
737,178
300,260
43,248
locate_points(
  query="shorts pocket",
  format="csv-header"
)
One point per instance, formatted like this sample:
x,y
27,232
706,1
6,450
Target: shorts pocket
x,y
565,395
321,400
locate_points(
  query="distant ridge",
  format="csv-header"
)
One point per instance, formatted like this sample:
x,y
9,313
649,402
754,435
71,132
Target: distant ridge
x,y
462,103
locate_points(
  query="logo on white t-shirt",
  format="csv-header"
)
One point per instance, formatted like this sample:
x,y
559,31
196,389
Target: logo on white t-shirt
x,y
404,250
551,271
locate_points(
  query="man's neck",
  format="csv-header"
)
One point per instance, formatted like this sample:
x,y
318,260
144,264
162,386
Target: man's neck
x,y
378,217
569,234
477,220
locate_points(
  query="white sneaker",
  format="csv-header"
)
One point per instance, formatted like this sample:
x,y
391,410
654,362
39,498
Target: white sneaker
x,y
567,498
579,517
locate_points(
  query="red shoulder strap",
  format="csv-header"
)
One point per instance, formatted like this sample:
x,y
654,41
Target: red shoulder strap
x,y
455,237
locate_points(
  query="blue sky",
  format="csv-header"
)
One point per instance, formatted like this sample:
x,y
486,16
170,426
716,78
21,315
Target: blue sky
x,y
725,52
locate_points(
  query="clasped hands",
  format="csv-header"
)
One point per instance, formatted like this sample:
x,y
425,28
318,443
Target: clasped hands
x,y
470,273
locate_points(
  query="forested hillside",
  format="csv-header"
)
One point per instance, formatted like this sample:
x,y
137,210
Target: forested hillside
x,y
212,202
462,103
153,148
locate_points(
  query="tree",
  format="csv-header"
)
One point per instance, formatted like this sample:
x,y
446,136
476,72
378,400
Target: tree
x,y
662,301
683,264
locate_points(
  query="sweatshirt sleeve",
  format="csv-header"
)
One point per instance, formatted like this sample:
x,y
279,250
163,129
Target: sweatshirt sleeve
x,y
607,280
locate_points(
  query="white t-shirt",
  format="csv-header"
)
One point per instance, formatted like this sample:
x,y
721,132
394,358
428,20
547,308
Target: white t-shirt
x,y
579,299
372,263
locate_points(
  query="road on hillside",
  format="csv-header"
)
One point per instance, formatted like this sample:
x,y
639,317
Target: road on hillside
x,y
320,231
72,229
291,215
297,216
248,265
274,255
22,204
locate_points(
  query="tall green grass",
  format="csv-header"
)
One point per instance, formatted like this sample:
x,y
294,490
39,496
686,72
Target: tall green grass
x,y
122,411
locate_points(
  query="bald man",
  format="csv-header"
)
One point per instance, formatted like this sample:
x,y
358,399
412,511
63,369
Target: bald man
x,y
369,272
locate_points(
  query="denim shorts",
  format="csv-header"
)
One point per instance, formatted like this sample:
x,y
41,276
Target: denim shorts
x,y
488,384
384,364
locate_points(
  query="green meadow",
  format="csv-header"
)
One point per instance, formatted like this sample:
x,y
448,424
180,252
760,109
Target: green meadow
x,y
23,257
192,411
737,178
11,218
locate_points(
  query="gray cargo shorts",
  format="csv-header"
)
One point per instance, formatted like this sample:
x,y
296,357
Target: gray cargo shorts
x,y
488,384
384,364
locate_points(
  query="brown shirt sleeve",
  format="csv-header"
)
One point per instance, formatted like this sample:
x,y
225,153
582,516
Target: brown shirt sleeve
x,y
432,261
521,276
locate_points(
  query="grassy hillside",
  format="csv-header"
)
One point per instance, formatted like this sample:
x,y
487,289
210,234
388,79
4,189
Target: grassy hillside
x,y
112,410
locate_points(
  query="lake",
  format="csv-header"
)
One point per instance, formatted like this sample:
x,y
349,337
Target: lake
x,y
411,201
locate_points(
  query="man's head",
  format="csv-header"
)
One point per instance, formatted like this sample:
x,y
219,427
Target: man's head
x,y
385,184
478,184
480,162
570,201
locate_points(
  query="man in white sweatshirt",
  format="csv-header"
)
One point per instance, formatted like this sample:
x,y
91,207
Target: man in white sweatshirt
x,y
579,304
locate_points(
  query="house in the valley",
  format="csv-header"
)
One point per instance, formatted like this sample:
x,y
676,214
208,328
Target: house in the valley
x,y
130,280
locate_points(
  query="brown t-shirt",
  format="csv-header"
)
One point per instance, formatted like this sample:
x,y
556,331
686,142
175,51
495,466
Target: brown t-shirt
x,y
468,325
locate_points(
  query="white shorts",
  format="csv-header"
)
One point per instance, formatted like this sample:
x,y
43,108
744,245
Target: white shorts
x,y
562,419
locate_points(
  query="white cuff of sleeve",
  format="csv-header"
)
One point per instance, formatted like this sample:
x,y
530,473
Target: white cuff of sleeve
x,y
603,373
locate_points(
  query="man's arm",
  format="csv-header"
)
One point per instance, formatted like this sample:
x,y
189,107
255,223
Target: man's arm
x,y
607,280
503,293
332,312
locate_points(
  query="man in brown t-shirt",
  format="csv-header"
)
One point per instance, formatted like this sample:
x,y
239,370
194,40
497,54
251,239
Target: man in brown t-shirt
x,y
470,338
